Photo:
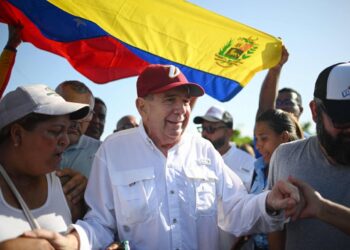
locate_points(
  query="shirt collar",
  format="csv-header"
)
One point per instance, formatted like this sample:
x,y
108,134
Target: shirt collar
x,y
79,145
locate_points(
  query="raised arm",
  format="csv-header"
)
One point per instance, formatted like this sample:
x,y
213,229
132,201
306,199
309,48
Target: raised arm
x,y
8,55
269,88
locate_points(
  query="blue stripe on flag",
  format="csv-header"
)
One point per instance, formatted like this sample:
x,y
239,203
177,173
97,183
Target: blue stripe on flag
x,y
56,24
218,87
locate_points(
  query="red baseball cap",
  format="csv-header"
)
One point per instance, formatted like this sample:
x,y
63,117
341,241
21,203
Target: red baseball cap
x,y
157,78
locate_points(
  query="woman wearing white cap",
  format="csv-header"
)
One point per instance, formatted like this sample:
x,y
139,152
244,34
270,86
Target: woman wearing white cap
x,y
33,134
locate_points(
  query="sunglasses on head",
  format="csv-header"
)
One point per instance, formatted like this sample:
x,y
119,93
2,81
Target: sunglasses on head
x,y
209,129
88,117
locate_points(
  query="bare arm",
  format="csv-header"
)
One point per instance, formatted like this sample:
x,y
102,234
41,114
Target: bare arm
x,y
277,240
318,207
269,88
14,38
335,214
70,241
8,56
22,243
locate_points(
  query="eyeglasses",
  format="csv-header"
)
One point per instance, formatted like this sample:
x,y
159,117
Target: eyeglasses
x,y
209,129
285,103
88,117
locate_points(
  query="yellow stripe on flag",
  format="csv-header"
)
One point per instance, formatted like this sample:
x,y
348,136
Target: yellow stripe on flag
x,y
183,33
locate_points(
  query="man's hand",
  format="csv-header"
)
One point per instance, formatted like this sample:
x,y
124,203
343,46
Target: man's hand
x,y
313,199
116,246
74,184
316,206
23,243
58,241
284,58
269,88
284,196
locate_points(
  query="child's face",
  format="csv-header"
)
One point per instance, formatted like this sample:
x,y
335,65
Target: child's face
x,y
267,140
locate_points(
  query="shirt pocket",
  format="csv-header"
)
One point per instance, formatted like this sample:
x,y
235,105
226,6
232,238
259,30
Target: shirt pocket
x,y
202,183
136,191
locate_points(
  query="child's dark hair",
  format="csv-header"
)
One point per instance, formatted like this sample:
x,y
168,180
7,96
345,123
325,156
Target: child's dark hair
x,y
280,121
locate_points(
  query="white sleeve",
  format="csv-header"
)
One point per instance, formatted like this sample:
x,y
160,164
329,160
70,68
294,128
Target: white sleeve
x,y
242,213
99,224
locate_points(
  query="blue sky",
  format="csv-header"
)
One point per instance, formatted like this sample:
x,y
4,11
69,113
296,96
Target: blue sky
x,y
314,32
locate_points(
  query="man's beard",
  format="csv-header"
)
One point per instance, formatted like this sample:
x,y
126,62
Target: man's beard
x,y
218,143
338,147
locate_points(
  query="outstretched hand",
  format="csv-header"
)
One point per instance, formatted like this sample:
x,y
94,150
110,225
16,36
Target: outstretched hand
x,y
312,206
74,184
285,196
58,241
23,243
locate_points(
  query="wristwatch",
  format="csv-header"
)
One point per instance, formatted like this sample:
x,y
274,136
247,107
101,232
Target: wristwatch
x,y
271,211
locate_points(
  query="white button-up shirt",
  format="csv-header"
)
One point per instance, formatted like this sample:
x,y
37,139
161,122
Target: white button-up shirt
x,y
241,163
173,202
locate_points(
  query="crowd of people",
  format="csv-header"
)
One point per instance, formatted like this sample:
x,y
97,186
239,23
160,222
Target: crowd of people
x,y
156,185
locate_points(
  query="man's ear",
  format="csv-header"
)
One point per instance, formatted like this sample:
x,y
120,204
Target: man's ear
x,y
193,101
229,133
301,110
313,108
142,107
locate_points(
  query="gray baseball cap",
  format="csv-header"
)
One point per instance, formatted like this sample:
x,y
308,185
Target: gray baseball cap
x,y
39,99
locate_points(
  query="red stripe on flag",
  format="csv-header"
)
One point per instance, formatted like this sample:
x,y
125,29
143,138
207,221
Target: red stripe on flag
x,y
101,59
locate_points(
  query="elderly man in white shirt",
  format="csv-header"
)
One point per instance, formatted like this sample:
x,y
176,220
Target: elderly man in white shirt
x,y
162,188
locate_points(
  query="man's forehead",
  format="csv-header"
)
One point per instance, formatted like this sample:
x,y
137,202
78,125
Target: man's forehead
x,y
72,96
287,95
100,106
128,119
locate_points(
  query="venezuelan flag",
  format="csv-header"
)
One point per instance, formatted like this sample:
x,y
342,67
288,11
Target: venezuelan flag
x,y
220,54
88,48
